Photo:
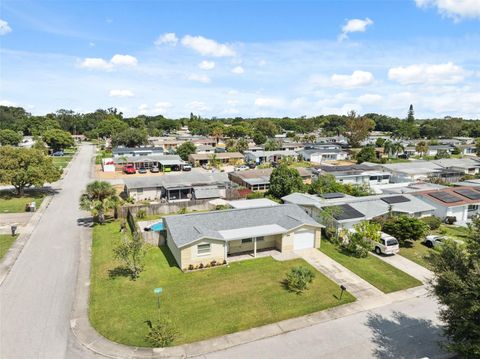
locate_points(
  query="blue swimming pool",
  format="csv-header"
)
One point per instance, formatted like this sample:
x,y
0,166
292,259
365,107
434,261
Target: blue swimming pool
x,y
157,227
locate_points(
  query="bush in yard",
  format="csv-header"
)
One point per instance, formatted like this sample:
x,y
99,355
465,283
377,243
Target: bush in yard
x,y
432,222
406,228
141,214
131,251
362,241
161,333
298,279
450,220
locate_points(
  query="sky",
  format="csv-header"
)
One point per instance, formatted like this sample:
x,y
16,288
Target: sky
x,y
242,58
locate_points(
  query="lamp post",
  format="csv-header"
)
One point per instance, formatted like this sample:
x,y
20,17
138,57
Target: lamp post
x,y
158,291
343,288
13,228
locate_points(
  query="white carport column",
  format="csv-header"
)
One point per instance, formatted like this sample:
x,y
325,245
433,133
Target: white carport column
x,y
226,251
254,246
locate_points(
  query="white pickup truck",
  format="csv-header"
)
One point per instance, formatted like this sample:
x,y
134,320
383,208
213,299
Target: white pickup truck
x,y
387,245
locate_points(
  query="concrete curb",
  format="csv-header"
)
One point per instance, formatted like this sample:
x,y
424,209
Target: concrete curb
x,y
90,339
13,253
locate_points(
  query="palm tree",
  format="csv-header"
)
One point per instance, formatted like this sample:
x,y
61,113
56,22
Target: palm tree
x,y
387,147
214,161
422,148
397,147
100,197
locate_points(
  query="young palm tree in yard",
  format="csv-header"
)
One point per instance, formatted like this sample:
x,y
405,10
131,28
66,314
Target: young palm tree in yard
x,y
99,198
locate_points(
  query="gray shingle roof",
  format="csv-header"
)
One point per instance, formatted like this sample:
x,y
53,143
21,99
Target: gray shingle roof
x,y
188,228
178,180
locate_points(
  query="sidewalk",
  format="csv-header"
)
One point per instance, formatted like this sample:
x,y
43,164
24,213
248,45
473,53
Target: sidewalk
x,y
368,297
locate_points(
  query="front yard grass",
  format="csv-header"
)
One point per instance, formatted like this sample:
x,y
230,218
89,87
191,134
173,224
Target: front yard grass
x,y
201,304
452,231
416,252
9,203
375,271
6,241
62,161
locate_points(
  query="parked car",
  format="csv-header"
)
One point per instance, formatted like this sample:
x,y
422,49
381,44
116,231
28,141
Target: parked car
x,y
58,154
129,169
241,168
142,170
434,240
187,167
154,169
387,245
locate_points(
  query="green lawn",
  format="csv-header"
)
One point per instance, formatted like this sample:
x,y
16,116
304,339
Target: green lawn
x,y
102,154
416,252
304,164
397,160
454,232
375,271
62,161
6,241
9,203
202,304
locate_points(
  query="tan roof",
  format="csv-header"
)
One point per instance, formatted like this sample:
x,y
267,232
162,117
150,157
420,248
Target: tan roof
x,y
220,156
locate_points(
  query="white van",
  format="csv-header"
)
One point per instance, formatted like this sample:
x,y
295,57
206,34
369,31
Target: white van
x,y
387,245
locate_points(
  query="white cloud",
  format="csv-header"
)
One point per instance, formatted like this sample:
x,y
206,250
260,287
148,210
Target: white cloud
x,y
370,99
95,63
199,78
268,102
447,73
356,79
7,103
123,60
207,47
455,9
238,70
158,108
262,62
4,27
121,93
197,106
354,25
168,38
206,65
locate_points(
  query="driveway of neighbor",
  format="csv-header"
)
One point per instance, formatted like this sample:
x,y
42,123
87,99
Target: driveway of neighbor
x,y
407,266
359,287
36,296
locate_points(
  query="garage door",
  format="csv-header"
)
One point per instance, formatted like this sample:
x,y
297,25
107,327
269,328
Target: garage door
x,y
304,239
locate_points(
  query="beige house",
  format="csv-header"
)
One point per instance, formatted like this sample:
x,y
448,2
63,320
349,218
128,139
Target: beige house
x,y
225,158
219,235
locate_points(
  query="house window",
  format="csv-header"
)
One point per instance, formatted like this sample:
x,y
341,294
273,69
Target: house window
x,y
203,249
473,207
246,240
260,239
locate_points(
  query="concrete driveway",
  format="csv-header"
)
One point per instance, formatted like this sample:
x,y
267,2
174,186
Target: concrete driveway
x,y
36,297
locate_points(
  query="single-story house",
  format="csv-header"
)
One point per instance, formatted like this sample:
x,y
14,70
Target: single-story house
x,y
348,210
165,163
459,202
292,146
356,174
178,187
470,166
136,151
205,149
201,238
259,179
269,156
323,153
226,158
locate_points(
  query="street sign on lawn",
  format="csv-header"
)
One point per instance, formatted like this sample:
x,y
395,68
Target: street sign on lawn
x,y
158,291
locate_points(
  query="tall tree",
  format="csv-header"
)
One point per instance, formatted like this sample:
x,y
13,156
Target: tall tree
x,y
9,137
411,114
131,137
58,139
457,287
271,145
422,148
285,180
99,198
357,129
23,168
241,145
186,149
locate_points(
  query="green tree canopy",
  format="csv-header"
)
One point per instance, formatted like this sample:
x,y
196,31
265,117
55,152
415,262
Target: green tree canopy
x,y
366,154
23,168
285,180
58,139
259,138
186,149
131,137
271,145
457,287
9,137
406,228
